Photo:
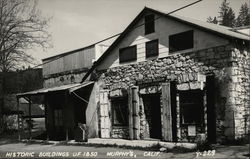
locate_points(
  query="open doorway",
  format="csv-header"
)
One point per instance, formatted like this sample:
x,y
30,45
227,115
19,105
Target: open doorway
x,y
211,114
153,114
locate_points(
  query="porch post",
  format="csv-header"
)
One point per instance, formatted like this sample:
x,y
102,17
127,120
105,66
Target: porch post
x,y
18,119
136,118
130,116
46,118
29,118
166,109
65,116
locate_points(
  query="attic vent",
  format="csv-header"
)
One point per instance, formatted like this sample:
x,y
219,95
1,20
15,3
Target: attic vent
x,y
149,24
181,41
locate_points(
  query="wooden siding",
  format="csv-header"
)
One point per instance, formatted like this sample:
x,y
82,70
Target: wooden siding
x,y
164,27
75,60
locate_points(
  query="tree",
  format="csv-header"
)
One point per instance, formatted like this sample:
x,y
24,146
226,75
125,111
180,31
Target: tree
x,y
22,27
226,15
212,20
244,16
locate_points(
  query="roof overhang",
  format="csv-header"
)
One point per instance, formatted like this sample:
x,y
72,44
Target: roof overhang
x,y
68,87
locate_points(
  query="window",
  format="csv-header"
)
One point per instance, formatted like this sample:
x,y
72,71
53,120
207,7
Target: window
x,y
127,54
152,48
181,41
120,111
149,24
191,105
58,117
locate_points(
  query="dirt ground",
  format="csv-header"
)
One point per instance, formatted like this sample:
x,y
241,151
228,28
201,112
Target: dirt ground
x,y
34,150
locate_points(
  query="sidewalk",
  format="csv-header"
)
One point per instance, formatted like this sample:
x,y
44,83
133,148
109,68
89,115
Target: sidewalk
x,y
122,142
138,143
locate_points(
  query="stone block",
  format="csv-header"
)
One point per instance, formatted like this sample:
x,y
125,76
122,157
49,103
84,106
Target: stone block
x,y
183,86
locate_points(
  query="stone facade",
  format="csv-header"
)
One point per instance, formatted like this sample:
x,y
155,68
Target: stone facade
x,y
229,65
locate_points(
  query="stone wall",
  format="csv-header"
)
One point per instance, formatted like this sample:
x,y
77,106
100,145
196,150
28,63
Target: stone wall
x,y
240,91
229,66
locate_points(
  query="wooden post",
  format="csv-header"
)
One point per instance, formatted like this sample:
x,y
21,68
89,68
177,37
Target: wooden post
x,y
65,116
29,118
166,108
18,120
46,118
136,118
130,119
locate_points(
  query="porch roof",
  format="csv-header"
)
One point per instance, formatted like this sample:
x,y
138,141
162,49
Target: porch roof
x,y
69,87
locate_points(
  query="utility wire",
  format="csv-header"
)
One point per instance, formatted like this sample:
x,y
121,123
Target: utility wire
x,y
119,34
93,67
115,35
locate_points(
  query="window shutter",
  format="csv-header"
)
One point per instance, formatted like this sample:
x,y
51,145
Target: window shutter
x,y
128,54
104,114
166,109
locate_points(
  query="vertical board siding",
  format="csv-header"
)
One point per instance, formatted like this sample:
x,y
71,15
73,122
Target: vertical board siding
x,y
77,60
166,108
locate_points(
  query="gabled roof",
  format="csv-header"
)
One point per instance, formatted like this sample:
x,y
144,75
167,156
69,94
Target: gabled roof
x,y
219,30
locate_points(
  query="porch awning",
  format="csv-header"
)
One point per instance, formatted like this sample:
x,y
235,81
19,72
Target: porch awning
x,y
69,87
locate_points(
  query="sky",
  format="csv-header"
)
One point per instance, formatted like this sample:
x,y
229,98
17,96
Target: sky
x,y
79,23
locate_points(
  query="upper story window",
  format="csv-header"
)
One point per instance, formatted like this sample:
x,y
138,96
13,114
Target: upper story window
x,y
127,54
181,41
152,48
149,24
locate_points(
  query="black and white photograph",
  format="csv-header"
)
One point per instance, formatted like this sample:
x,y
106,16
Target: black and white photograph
x,y
124,79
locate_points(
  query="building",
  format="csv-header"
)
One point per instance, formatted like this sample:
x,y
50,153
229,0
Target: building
x,y
64,97
172,78
165,77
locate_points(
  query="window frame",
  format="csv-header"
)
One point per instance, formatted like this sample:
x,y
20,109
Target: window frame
x,y
149,24
123,51
147,49
179,35
199,96
114,102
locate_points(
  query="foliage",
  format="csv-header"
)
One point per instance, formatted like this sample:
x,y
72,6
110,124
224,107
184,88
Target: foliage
x,y
244,16
21,27
227,16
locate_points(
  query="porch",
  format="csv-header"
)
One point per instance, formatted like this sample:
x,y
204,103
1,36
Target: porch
x,y
65,107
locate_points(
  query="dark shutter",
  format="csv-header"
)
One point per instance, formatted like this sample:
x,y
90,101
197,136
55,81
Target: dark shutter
x,y
149,24
181,41
127,54
152,48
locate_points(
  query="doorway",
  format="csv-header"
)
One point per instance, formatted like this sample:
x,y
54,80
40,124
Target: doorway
x,y
211,114
152,108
